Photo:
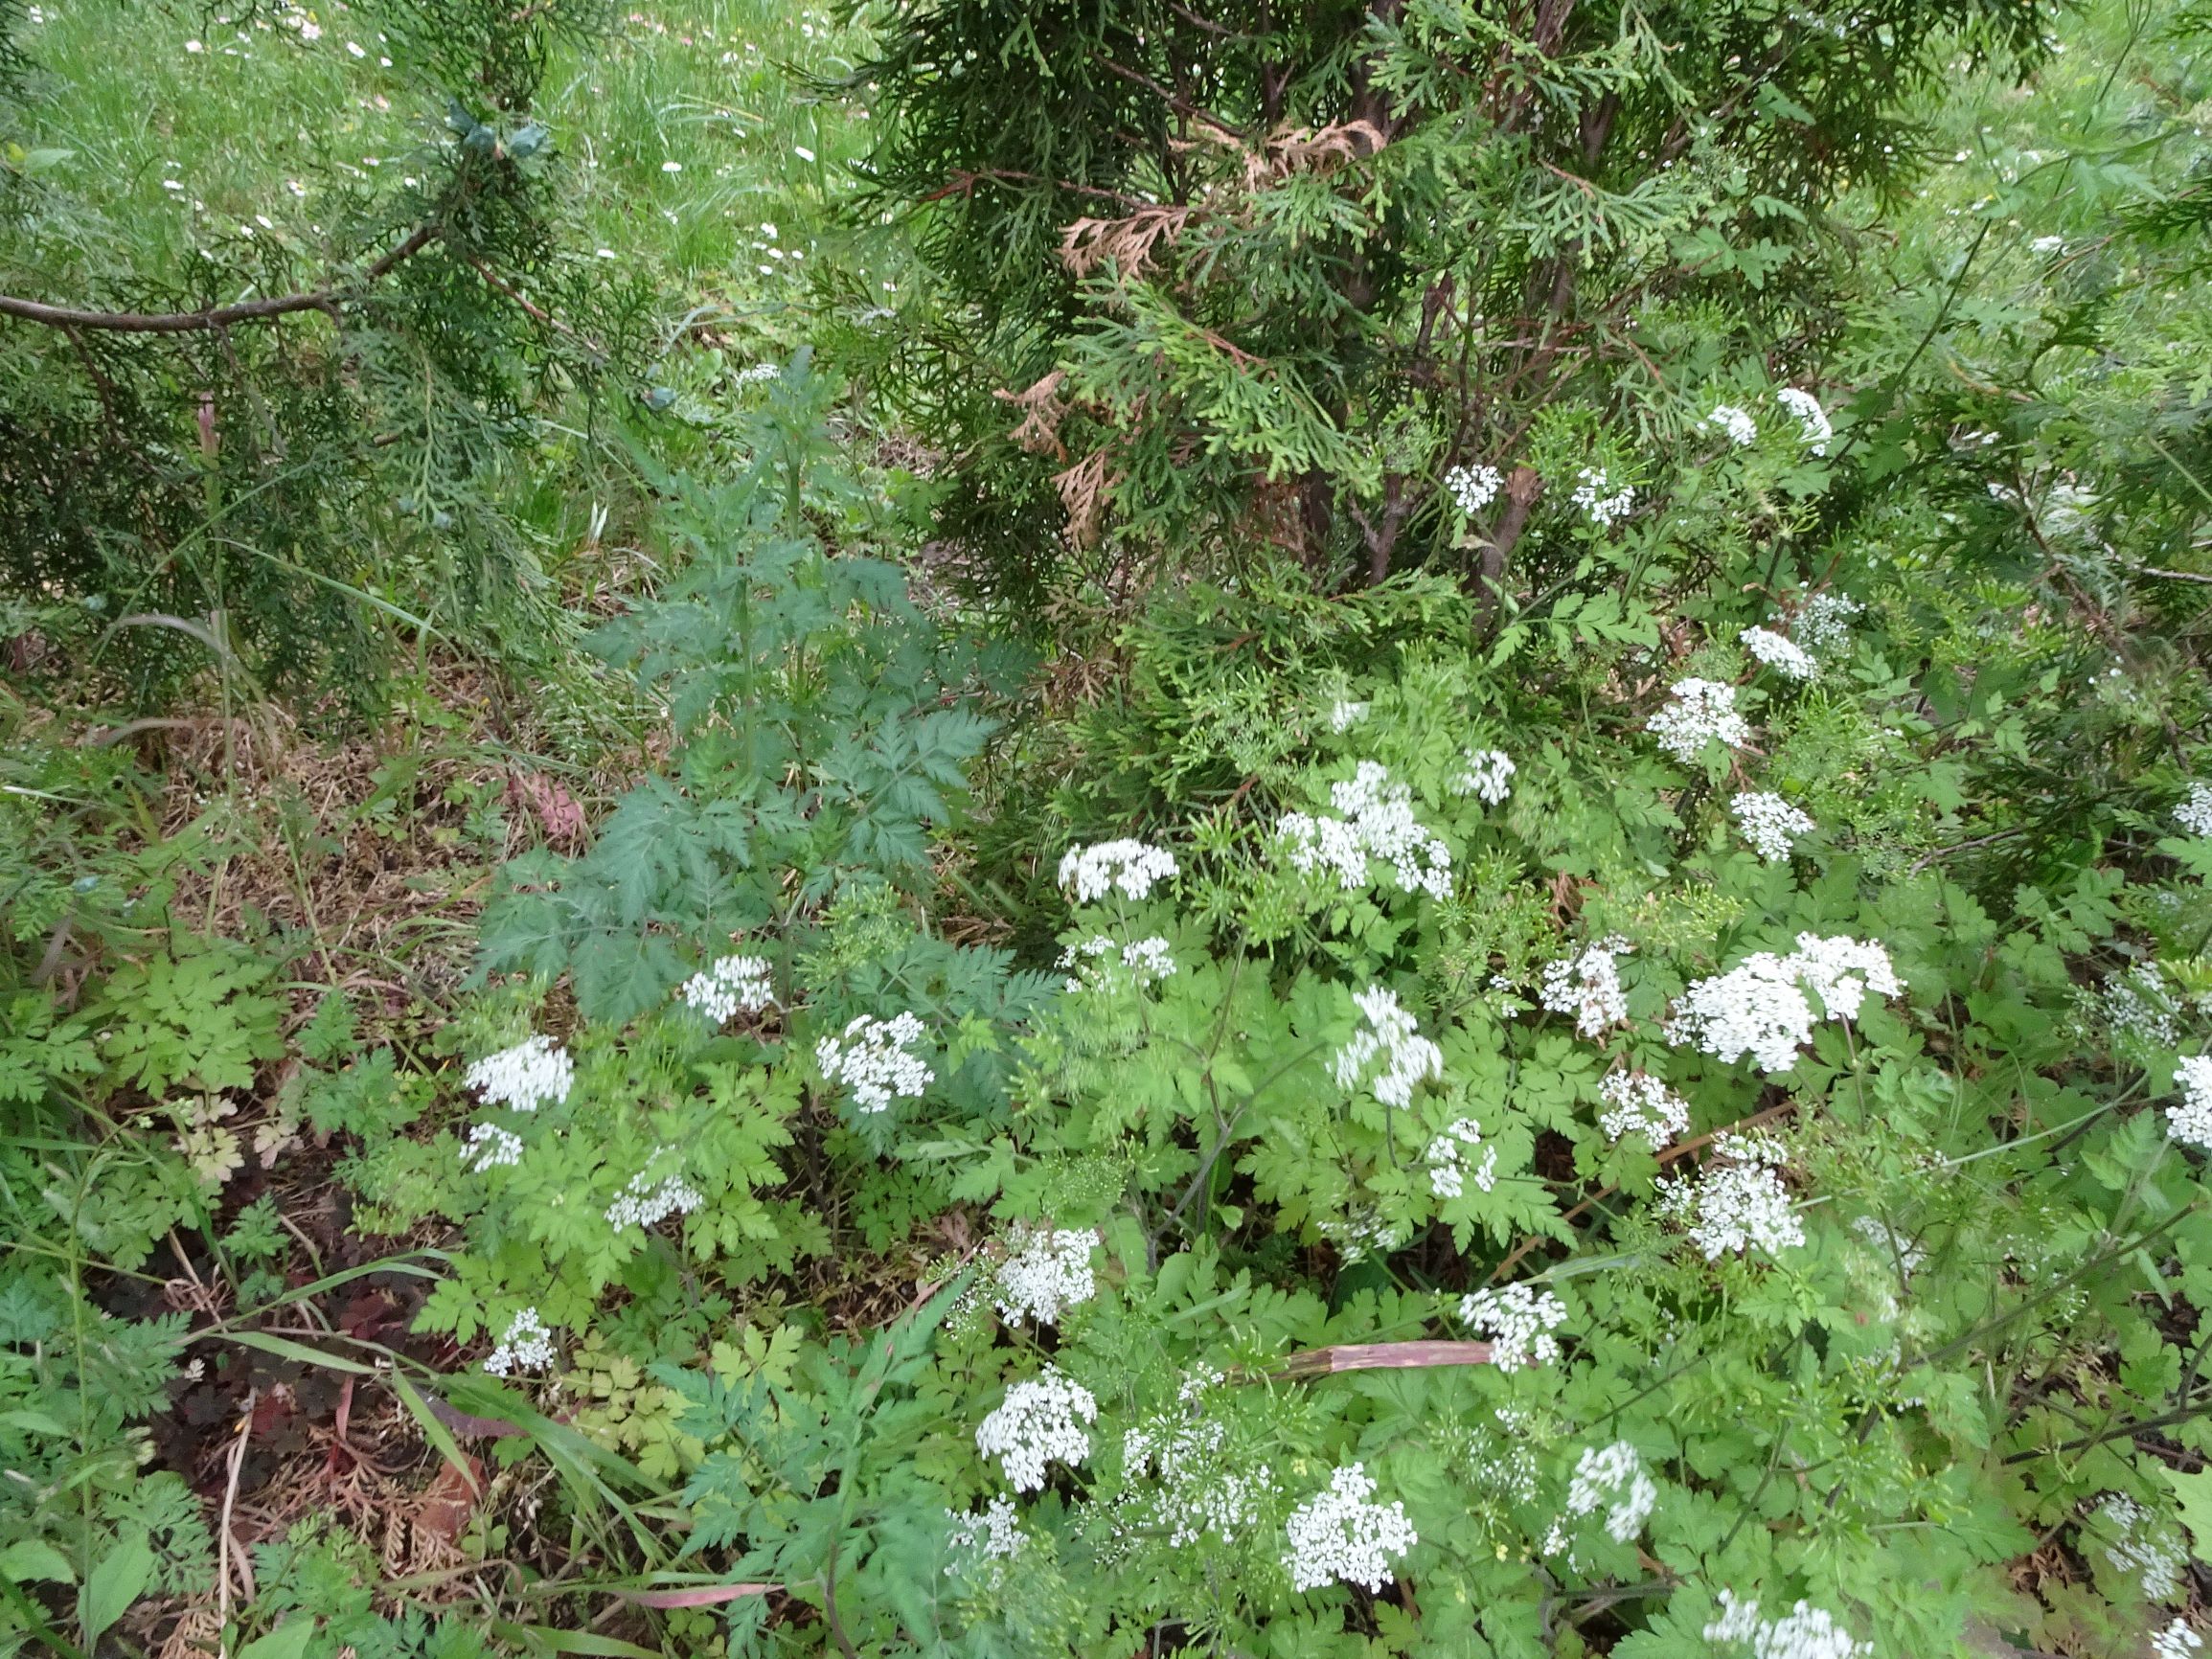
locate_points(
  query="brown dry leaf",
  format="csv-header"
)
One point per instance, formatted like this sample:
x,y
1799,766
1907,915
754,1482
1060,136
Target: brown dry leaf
x,y
1127,243
448,1501
555,807
1042,412
1083,490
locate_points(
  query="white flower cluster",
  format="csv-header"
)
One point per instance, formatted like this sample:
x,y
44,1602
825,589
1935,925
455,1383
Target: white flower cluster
x,y
646,1203
1740,1203
994,1537
1147,962
1358,1237
871,1057
1759,1007
733,983
488,1146
1338,1535
1391,1034
1743,431
1823,625
1813,428
1781,653
2192,1120
2145,1545
1804,1632
527,1346
1638,1104
2176,1641
1488,776
1047,1272
2138,1008
1614,1481
2195,814
1344,715
1129,867
1448,1156
525,1076
1036,1424
1473,488
1375,821
1703,710
1605,511
1589,987
1518,1321
1197,1493
1769,824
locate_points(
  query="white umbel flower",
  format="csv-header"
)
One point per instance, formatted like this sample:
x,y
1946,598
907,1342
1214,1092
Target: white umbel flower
x,y
1614,1481
1131,868
2195,814
488,1146
1488,776
2176,1641
1344,715
1047,1272
527,1346
1518,1321
1804,1632
1769,824
1740,1203
1036,1424
1374,821
525,1076
1473,488
1743,431
1781,653
1408,1058
1191,1487
1588,986
994,1536
1336,1535
1823,625
1702,712
1813,428
1143,962
1638,1104
646,1203
1591,496
1447,1158
2144,1544
732,984
2191,1122
1760,1008
872,1060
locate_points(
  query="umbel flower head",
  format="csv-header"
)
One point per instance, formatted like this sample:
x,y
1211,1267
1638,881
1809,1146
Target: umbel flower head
x,y
1039,1423
1638,1104
2195,814
733,983
1518,1321
1614,1481
1473,488
988,1541
1046,1273
1487,775
1589,987
1813,428
1374,821
1781,653
2191,1122
1804,1632
1769,824
1739,1203
527,1346
488,1146
525,1076
1743,431
1338,1535
1702,712
1759,1007
1129,868
1407,1057
1448,1155
871,1058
